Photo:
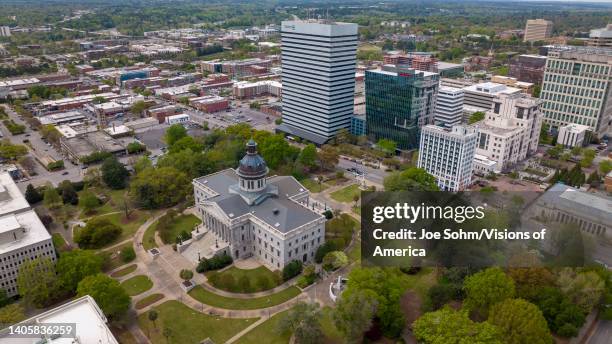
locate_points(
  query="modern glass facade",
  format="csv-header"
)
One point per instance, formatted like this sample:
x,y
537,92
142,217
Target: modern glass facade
x,y
398,103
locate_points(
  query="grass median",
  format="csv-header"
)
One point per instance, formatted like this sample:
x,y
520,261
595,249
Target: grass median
x,y
215,300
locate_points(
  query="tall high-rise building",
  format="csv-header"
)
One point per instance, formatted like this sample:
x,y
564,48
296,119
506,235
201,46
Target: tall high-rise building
x,y
448,155
601,37
577,88
318,63
537,30
449,106
399,101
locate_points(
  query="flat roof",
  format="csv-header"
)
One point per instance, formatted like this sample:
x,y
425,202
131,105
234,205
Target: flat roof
x,y
90,323
11,199
491,88
35,231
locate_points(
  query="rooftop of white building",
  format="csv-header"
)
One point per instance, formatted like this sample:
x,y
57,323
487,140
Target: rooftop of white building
x,y
28,221
491,88
576,128
11,199
83,312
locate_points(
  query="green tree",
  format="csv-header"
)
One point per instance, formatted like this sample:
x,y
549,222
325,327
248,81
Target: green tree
x,y
449,326
186,274
10,151
387,146
486,288
476,117
308,156
174,133
562,316
68,193
388,287
276,151
328,156
52,198
335,260
411,179
108,293
152,315
75,265
88,201
160,187
98,232
114,173
353,314
520,322
584,289
32,195
38,283
139,107
605,166
4,299
11,314
303,321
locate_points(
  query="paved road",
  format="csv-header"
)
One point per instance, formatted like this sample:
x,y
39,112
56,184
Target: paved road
x,y
372,175
602,333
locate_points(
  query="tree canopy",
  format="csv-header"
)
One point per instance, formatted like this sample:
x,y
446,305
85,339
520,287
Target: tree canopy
x,y
520,322
454,327
108,293
411,179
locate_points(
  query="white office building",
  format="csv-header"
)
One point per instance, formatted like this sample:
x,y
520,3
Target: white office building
x,y
509,133
22,236
449,106
481,95
537,30
572,135
246,214
448,155
83,313
318,77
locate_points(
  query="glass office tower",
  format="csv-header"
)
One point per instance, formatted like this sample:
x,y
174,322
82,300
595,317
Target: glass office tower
x,y
399,101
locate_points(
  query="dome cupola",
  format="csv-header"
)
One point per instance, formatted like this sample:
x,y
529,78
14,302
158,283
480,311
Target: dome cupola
x,y
252,170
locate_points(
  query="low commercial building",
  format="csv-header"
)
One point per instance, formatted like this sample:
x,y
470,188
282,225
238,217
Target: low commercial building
x,y
572,135
23,237
245,89
80,146
142,123
601,37
84,313
526,87
590,212
209,103
162,112
62,117
177,119
448,155
71,103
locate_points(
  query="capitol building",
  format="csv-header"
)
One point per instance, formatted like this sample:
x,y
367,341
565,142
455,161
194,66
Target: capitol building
x,y
247,214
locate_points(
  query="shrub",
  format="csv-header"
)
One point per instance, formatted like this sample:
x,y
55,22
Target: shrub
x,y
292,269
324,249
328,214
186,274
95,157
55,165
215,263
128,254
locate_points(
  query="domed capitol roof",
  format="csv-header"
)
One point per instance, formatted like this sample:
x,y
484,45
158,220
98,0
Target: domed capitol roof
x,y
252,164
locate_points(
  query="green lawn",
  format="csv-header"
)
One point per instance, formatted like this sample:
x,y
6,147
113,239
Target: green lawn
x,y
189,326
113,257
215,300
148,300
354,254
125,271
129,225
267,330
346,194
420,282
181,223
148,238
137,285
340,230
59,242
115,201
238,283
313,186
